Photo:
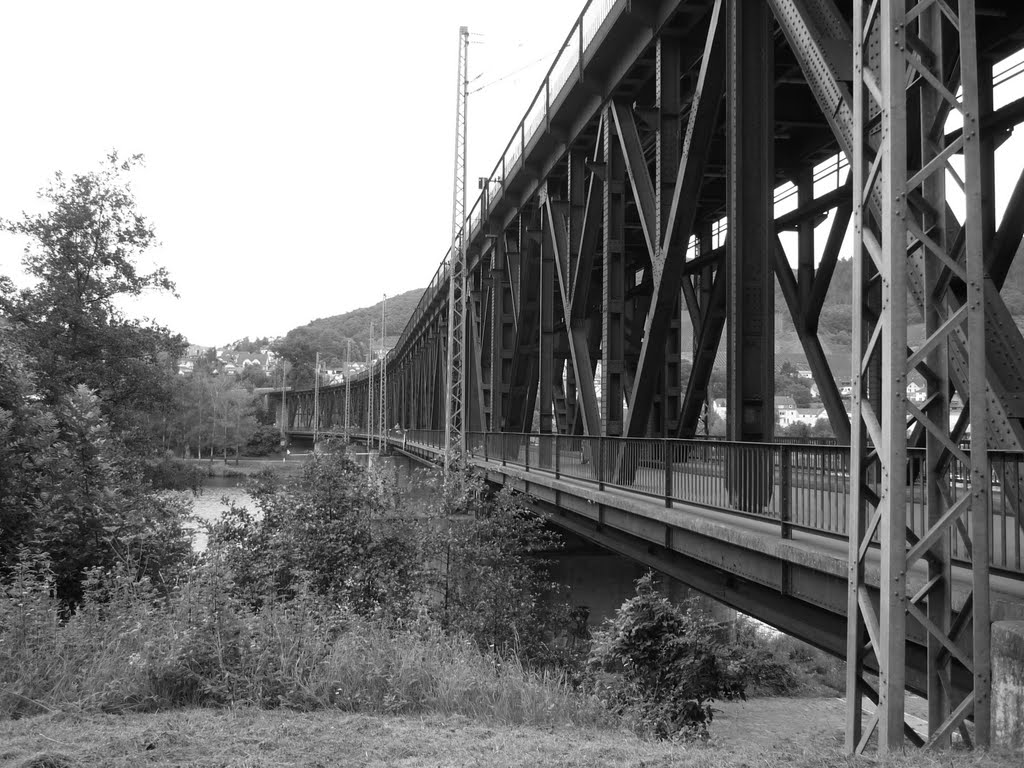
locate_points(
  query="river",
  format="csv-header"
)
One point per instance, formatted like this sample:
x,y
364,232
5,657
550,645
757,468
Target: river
x,y
210,504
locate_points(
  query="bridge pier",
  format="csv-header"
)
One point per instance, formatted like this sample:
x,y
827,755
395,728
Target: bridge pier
x,y
1008,685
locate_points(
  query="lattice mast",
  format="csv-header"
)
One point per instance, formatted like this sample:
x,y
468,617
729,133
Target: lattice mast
x,y
454,410
906,249
316,401
348,386
383,407
369,391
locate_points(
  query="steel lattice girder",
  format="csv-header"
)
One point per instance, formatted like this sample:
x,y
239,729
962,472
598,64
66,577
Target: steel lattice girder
x,y
620,81
900,205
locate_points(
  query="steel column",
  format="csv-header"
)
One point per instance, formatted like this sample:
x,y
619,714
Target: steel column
x,y
750,192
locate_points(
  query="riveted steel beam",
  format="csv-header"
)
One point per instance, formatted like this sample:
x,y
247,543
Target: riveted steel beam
x,y
678,222
750,185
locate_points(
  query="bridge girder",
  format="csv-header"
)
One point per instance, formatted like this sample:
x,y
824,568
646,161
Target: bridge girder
x,y
639,200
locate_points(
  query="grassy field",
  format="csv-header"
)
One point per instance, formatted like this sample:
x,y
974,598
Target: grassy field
x,y
760,732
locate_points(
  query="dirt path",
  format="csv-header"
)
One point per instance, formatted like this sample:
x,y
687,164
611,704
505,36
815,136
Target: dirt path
x,y
780,722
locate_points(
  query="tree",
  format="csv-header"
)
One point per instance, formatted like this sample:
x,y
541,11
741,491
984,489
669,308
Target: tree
x,y
665,663
84,251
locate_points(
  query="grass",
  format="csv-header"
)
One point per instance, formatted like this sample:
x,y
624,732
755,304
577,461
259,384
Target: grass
x,y
128,650
249,738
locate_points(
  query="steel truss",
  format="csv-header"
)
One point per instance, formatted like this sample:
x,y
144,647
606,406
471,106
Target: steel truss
x,y
638,196
905,86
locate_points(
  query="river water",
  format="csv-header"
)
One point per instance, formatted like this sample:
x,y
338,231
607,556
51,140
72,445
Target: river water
x,y
219,493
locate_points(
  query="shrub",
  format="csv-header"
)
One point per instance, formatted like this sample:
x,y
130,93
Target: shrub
x,y
664,665
127,648
263,441
169,473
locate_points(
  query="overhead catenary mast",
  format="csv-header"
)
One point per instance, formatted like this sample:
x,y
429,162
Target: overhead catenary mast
x,y
383,415
316,402
454,398
369,391
348,386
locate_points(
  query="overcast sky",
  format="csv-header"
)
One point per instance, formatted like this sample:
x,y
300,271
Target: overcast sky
x,y
298,155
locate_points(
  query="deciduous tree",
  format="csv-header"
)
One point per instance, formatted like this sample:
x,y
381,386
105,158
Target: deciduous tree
x,y
83,250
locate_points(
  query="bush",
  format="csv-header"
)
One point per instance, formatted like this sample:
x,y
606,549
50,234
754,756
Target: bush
x,y
664,665
264,441
127,648
169,473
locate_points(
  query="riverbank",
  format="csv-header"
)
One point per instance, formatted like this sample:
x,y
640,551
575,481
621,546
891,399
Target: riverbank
x,y
245,466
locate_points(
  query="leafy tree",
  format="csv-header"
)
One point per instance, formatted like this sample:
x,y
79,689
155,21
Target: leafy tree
x,y
28,432
665,663
494,581
326,529
83,251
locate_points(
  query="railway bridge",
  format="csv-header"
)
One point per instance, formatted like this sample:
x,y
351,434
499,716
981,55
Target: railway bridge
x,y
680,159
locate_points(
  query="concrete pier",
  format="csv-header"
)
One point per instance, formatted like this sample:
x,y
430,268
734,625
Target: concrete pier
x,y
1008,686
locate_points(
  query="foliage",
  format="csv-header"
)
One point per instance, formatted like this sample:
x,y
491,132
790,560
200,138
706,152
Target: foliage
x,y
28,432
208,415
494,582
72,490
330,335
130,648
84,253
167,472
263,441
665,664
326,528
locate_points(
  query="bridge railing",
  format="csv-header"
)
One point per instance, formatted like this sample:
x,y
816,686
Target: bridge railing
x,y
802,487
797,487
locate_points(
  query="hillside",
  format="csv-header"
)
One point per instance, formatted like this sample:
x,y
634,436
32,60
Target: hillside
x,y
329,335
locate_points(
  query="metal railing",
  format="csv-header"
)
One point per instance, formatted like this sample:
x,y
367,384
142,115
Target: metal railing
x,y
803,487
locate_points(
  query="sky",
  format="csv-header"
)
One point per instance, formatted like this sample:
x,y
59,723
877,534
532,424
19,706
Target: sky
x,y
298,156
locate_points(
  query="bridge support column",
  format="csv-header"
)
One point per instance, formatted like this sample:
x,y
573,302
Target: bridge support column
x,y
613,332
750,136
1008,686
904,252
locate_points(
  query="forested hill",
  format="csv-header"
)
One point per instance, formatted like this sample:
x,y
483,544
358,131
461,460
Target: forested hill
x,y
329,335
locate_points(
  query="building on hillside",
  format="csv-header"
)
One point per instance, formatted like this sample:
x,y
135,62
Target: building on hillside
x,y
252,359
785,407
808,416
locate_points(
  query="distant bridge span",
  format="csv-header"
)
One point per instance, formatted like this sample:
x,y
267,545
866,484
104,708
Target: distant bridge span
x,y
680,158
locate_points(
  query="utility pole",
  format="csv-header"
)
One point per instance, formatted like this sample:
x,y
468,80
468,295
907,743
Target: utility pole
x,y
383,415
284,405
369,390
348,385
316,402
454,399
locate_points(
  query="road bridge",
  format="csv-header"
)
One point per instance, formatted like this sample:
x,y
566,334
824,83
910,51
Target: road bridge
x,y
681,158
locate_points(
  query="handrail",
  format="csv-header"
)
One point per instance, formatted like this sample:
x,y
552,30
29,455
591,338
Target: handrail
x,y
796,486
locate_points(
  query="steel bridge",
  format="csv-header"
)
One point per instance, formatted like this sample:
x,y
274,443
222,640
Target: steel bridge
x,y
680,157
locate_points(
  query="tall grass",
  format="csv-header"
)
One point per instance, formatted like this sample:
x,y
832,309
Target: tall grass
x,y
127,648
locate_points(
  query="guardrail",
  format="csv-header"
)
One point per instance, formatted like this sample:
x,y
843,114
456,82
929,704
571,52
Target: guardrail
x,y
797,487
